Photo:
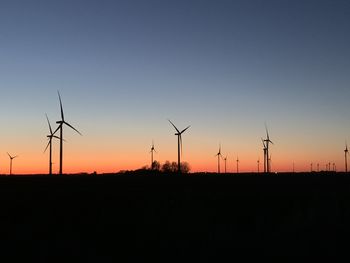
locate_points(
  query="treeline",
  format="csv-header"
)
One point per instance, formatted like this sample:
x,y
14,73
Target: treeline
x,y
170,167
167,168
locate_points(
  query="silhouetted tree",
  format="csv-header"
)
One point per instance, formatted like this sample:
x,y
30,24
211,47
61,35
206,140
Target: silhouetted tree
x,y
156,166
185,168
171,167
166,167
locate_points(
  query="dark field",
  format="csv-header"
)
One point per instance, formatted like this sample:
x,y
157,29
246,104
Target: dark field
x,y
204,218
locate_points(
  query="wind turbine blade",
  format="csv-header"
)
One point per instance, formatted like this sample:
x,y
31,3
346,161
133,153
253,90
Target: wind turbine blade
x,y
59,96
72,127
49,124
263,142
185,129
9,155
267,132
59,127
174,126
47,146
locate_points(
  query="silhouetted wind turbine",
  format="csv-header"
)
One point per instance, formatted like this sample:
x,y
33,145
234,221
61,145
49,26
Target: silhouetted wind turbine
x,y
11,158
179,144
60,127
152,150
225,159
219,156
311,164
318,167
346,151
258,165
268,141
263,142
237,164
50,137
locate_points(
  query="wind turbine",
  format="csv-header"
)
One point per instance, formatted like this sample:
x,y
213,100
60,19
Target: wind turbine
x,y
50,137
318,167
346,151
237,164
219,156
225,159
263,142
258,165
179,144
152,150
60,127
311,165
11,158
267,141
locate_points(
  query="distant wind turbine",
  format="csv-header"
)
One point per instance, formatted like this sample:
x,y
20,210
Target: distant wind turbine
x,y
225,159
311,167
318,167
152,150
265,161
237,164
258,165
60,127
50,137
11,158
219,156
346,151
179,144
267,141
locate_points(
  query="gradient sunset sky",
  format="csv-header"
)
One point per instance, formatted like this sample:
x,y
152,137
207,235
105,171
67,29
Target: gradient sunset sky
x,y
224,67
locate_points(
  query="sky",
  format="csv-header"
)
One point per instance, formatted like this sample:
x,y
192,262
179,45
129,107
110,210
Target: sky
x,y
224,67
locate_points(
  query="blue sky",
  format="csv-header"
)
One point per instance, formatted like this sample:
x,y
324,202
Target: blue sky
x,y
225,67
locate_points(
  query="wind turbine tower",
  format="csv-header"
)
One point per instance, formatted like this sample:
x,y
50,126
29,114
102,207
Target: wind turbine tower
x,y
179,144
219,156
60,127
346,151
152,150
264,148
237,164
225,159
267,141
11,159
50,137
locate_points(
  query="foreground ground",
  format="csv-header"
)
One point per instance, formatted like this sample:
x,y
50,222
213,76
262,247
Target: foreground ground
x,y
171,218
